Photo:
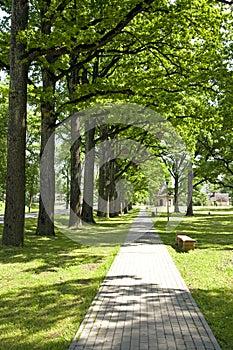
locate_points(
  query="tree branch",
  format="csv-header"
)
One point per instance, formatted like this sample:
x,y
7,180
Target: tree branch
x,y
94,94
199,183
61,50
105,71
225,2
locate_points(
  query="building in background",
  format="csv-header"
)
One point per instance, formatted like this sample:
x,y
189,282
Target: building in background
x,y
219,199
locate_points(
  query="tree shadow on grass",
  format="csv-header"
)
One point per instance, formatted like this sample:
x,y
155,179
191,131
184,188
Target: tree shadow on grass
x,y
49,292
58,250
105,232
54,252
39,309
218,313
210,232
213,231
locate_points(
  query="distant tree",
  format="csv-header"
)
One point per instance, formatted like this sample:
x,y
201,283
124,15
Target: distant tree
x,y
32,157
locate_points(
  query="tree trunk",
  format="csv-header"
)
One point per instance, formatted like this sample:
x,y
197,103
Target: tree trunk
x,y
114,211
13,233
108,205
87,207
103,199
190,193
125,207
176,194
75,150
45,225
67,188
75,191
130,206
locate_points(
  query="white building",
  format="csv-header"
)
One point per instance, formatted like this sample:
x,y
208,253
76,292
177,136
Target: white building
x,y
221,199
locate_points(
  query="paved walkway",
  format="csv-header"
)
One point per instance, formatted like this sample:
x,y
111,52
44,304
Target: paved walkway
x,y
143,302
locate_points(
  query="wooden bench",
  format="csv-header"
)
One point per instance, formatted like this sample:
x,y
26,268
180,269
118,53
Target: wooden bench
x,y
185,242
178,233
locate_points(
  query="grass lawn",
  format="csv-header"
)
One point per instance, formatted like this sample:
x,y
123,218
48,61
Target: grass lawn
x,y
208,270
2,208
34,208
47,286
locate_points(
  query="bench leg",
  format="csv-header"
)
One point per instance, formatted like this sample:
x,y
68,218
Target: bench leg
x,y
188,246
179,243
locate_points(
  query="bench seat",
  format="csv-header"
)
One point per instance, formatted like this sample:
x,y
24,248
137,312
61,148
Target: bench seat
x,y
185,242
178,233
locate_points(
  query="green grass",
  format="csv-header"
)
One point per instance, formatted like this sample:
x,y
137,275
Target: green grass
x,y
213,209
47,286
34,208
208,270
2,207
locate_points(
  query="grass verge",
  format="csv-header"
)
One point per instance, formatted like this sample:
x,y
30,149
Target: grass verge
x,y
34,208
208,270
2,208
47,286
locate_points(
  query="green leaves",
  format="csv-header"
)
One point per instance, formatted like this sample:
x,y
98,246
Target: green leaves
x,y
173,56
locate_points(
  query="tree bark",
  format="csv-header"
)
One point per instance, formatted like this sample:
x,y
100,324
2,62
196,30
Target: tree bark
x,y
87,206
103,199
13,233
75,150
75,191
126,209
176,193
130,206
45,225
108,202
114,211
189,211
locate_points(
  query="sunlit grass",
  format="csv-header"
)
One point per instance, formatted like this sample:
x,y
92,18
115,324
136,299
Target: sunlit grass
x,y
106,232
208,270
47,286
34,208
2,207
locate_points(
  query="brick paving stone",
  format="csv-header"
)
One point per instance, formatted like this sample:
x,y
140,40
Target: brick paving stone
x,y
144,303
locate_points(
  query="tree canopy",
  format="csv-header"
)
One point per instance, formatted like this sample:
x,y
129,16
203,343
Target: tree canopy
x,y
172,56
